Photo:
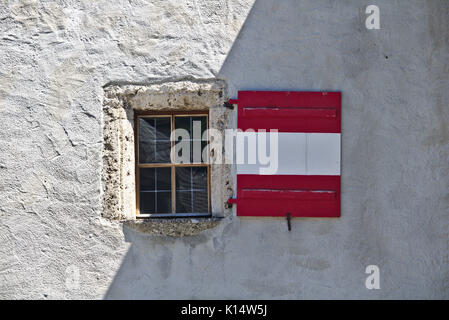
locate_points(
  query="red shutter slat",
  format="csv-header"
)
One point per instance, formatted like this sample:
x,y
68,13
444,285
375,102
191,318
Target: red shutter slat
x,y
318,196
283,112
289,194
289,111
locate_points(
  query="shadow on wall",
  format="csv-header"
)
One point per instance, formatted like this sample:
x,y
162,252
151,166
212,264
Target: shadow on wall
x,y
158,267
299,45
148,269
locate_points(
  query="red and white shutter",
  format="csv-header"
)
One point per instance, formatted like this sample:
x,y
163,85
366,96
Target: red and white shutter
x,y
307,182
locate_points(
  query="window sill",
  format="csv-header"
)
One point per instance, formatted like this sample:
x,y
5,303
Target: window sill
x,y
173,216
175,227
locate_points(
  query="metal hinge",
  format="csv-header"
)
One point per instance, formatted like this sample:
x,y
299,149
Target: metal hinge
x,y
230,104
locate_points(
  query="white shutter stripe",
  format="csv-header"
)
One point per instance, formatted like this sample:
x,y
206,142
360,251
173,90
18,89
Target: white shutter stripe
x,y
298,153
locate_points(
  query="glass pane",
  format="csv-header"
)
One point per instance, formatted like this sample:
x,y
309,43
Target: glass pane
x,y
155,190
183,123
191,178
195,145
202,123
154,140
146,179
163,202
204,145
163,179
147,202
152,179
196,155
163,127
182,152
163,151
183,202
199,178
191,190
200,202
147,129
183,180
147,150
196,126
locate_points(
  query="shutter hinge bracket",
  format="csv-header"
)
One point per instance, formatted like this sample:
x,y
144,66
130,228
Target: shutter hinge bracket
x,y
230,202
230,104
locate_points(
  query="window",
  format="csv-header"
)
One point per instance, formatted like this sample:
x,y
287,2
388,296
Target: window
x,y
172,177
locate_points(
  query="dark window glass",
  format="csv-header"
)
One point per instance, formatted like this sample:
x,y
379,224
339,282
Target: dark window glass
x,y
163,151
147,202
183,123
200,204
199,178
183,202
191,190
154,140
183,178
147,181
195,126
163,204
155,183
155,190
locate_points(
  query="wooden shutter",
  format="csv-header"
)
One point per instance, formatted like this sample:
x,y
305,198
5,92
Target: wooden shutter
x,y
307,182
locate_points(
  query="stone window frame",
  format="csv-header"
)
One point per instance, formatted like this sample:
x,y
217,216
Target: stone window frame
x,y
118,171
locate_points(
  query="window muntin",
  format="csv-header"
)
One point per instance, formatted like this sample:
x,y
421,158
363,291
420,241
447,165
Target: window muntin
x,y
165,187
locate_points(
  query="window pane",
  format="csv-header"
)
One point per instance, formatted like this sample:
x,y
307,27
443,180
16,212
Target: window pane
x,y
147,129
155,190
147,202
154,140
199,178
163,179
183,123
203,125
147,150
183,202
163,151
191,178
183,179
163,127
182,152
163,202
146,179
191,124
152,179
204,145
197,147
155,202
200,202
191,190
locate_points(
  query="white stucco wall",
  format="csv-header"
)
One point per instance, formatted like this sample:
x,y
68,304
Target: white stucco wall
x,y
57,57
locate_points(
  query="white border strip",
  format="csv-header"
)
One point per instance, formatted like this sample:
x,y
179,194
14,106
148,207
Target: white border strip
x,y
297,153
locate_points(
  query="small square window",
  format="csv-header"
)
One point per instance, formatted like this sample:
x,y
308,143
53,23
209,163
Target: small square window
x,y
166,187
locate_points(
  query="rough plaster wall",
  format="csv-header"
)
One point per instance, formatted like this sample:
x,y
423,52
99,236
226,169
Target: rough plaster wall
x,y
57,56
